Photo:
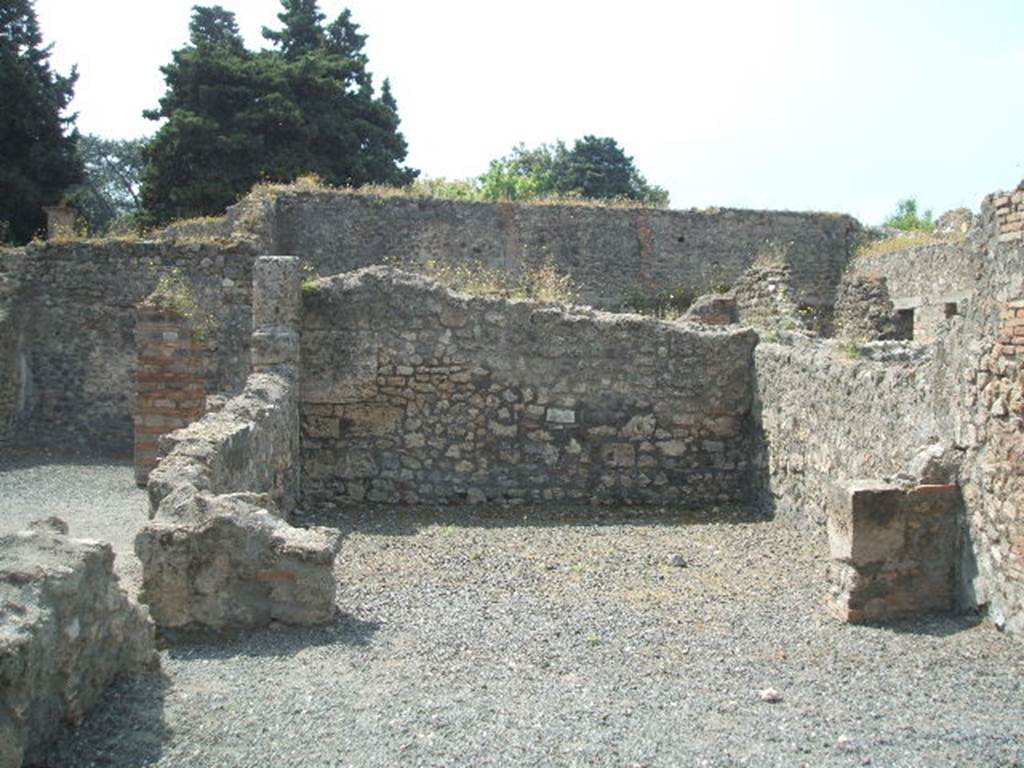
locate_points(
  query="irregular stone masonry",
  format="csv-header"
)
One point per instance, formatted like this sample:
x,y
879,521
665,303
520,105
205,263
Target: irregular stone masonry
x,y
67,630
610,253
170,379
413,394
864,312
995,499
74,314
219,551
827,413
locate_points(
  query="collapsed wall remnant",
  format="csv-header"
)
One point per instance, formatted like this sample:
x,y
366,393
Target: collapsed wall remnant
x,y
864,311
170,376
414,394
218,551
67,629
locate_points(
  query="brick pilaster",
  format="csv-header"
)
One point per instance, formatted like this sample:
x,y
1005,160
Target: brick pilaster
x,y
170,380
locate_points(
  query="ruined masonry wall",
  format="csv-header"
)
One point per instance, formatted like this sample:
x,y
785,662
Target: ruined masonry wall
x,y
413,394
995,487
827,415
609,252
925,279
251,445
75,320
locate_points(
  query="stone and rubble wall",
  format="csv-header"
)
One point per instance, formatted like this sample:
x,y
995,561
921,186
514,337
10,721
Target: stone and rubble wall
x,y
219,551
864,311
928,284
828,412
985,397
75,312
610,253
67,629
414,394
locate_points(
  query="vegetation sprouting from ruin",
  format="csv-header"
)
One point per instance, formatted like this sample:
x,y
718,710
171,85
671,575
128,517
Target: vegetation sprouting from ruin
x,y
544,284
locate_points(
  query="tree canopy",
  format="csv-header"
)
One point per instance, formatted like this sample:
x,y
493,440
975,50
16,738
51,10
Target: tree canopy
x,y
236,117
593,168
38,161
108,197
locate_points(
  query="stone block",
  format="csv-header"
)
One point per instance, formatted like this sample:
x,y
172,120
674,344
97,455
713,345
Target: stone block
x,y
223,561
865,524
893,550
67,629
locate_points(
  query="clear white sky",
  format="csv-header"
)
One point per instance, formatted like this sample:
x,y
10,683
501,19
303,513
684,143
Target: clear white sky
x,y
802,104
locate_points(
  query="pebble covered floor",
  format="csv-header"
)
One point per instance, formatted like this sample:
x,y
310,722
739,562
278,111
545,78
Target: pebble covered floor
x,y
520,637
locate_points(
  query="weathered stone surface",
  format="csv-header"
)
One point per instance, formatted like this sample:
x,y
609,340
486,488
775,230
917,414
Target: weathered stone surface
x,y
170,377
66,631
713,309
864,312
519,402
221,561
893,550
823,414
219,551
251,444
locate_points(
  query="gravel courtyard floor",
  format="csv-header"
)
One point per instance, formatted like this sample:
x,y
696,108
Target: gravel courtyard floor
x,y
528,638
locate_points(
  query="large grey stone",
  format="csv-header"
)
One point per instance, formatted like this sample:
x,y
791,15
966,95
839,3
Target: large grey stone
x,y
67,630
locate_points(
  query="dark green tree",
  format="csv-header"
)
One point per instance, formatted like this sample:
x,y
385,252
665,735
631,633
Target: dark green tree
x,y
236,117
108,197
599,168
302,32
38,161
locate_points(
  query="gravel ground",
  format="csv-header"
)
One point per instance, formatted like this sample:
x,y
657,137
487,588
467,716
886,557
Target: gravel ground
x,y
525,638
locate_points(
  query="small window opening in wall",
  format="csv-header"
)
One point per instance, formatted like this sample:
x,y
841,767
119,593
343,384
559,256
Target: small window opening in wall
x,y
905,324
952,309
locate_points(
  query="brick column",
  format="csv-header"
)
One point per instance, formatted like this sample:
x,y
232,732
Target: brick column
x,y
170,376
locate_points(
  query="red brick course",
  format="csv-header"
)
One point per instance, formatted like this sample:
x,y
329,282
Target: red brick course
x,y
170,381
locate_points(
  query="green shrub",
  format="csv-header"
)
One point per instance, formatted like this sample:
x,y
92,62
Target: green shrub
x,y
906,217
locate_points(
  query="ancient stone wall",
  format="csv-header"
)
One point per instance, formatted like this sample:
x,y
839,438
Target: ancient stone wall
x,y
829,412
928,284
611,253
411,393
219,551
864,311
75,313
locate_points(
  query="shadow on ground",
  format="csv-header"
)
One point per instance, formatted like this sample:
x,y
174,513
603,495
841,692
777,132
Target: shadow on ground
x,y
277,641
125,729
409,521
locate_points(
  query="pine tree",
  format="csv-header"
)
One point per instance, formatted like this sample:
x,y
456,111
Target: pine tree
x,y
302,32
38,160
235,117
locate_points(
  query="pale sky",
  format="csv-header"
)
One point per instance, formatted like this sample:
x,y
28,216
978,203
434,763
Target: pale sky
x,y
798,104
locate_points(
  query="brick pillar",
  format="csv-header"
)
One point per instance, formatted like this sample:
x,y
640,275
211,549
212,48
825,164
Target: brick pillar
x,y
170,376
